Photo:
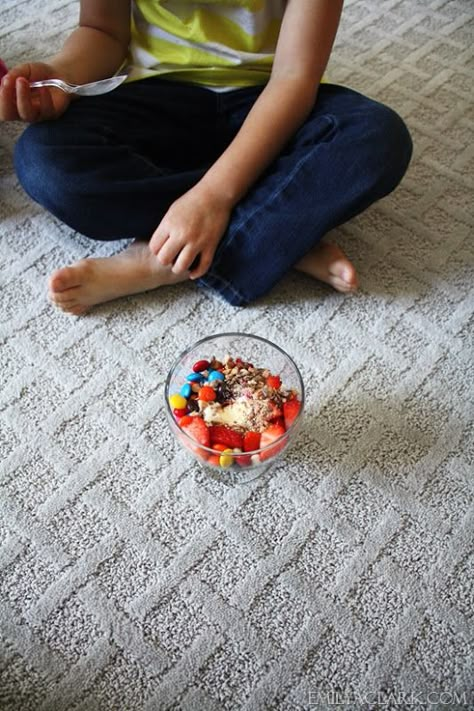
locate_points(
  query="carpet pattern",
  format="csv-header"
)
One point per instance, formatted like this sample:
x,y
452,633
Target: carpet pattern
x,y
129,579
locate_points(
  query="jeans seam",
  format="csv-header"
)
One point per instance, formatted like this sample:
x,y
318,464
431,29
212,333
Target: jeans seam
x,y
213,277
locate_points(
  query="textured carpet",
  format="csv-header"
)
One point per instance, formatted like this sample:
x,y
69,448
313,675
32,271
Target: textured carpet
x,y
130,580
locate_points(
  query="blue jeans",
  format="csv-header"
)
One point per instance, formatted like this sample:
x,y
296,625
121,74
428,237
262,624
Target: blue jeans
x,y
112,165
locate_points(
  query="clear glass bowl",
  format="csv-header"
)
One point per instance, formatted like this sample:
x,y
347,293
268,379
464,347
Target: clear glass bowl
x,y
261,353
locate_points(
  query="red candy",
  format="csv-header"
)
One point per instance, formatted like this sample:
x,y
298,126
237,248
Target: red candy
x,y
180,412
201,365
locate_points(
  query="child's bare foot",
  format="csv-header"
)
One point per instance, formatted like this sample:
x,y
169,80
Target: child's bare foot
x,y
328,263
92,281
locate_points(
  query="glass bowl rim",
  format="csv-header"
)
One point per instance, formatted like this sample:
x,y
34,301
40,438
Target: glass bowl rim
x,y
266,342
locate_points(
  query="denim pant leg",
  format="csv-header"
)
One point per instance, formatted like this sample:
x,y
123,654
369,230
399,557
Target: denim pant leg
x,y
350,152
112,165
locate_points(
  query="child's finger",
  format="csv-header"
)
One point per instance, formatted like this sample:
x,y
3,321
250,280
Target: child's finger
x,y
21,70
158,239
184,260
8,109
47,109
26,109
202,266
169,251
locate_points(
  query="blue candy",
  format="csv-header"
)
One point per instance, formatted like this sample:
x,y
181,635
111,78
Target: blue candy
x,y
215,375
186,390
195,378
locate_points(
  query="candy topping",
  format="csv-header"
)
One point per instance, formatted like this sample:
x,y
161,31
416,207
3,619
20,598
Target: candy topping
x,y
207,393
178,402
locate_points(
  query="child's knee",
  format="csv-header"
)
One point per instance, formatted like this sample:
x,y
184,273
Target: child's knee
x,y
394,144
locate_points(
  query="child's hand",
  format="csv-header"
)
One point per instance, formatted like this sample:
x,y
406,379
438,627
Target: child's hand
x,y
20,103
191,230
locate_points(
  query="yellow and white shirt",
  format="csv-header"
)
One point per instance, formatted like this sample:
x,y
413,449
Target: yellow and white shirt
x,y
215,43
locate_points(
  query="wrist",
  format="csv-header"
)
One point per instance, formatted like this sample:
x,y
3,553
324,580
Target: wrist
x,y
217,193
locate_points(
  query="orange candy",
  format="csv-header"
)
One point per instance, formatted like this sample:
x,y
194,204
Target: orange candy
x,y
220,447
207,393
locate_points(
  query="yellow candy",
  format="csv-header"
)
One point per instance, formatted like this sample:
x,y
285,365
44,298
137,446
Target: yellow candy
x,y
226,459
178,402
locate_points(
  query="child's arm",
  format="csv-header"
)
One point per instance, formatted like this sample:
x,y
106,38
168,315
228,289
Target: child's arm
x,y
95,50
195,223
307,35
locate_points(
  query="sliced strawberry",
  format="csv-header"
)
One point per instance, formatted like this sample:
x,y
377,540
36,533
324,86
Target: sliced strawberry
x,y
221,434
196,428
185,420
243,460
269,435
291,409
251,441
274,381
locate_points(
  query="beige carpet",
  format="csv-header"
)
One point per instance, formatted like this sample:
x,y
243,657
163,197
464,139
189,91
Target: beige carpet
x,y
129,580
